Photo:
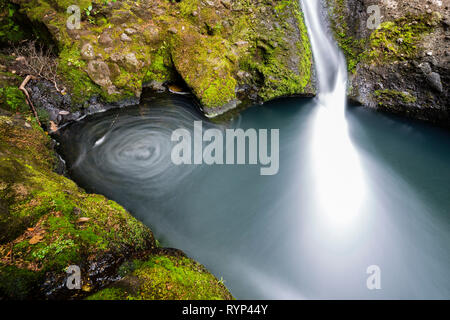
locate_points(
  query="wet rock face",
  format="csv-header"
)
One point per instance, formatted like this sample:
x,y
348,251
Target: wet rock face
x,y
403,65
208,44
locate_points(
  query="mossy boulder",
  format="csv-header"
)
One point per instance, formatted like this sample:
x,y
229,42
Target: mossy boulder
x,y
166,276
402,65
47,223
11,98
225,51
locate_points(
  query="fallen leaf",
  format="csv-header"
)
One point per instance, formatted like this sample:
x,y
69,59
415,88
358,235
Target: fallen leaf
x,y
53,126
86,288
37,238
83,219
175,89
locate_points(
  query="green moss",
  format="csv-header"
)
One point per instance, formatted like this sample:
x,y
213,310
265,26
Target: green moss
x,y
207,66
110,294
12,99
352,48
218,91
161,68
167,278
54,199
11,29
281,6
305,52
390,97
71,67
60,252
36,202
187,7
269,58
130,82
397,40
17,282
43,116
392,41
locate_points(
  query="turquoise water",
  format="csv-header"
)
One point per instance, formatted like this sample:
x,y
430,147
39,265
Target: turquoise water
x,y
309,232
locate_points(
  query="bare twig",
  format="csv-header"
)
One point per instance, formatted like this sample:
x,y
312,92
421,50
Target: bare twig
x,y
38,62
24,90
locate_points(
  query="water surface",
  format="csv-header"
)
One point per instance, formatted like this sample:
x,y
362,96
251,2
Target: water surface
x,y
354,189
308,232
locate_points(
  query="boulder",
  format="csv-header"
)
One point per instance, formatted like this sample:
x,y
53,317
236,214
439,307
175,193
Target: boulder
x,y
98,71
48,224
205,43
407,52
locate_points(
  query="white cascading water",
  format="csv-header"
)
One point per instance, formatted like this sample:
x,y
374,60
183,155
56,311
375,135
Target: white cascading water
x,y
338,179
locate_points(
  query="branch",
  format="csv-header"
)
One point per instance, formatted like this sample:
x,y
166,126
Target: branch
x,y
24,90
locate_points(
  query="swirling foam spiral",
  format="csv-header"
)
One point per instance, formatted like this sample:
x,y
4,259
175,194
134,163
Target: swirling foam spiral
x,y
133,149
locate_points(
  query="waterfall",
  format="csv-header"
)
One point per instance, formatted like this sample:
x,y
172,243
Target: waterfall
x,y
337,175
330,63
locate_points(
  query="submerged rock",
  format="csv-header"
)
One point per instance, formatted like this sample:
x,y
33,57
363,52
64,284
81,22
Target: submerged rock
x,y
205,43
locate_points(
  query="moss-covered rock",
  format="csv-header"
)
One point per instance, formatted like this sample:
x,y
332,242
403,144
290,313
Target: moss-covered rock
x,y
164,277
225,51
387,96
11,98
47,223
402,65
397,40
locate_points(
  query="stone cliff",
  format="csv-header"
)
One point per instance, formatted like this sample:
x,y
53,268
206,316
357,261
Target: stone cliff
x,y
402,66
